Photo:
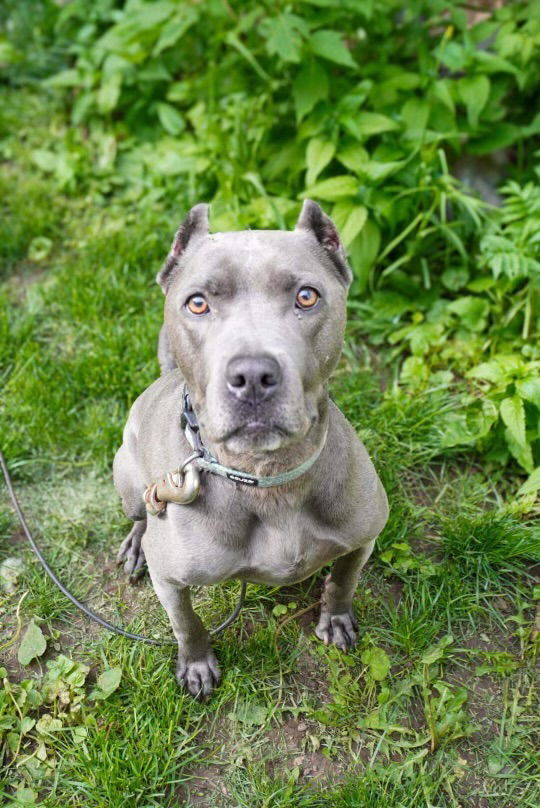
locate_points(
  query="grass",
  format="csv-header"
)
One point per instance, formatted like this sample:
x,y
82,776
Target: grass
x,y
447,599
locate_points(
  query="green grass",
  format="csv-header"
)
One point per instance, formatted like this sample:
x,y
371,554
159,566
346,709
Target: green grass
x,y
293,723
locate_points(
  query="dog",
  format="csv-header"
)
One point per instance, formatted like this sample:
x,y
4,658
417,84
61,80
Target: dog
x,y
254,326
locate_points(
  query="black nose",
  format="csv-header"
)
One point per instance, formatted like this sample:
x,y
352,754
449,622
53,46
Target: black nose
x,y
253,379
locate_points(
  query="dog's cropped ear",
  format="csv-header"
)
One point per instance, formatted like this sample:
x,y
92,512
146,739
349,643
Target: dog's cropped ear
x,y
314,220
192,228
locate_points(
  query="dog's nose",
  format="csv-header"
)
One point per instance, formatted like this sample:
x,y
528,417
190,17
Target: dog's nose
x,y
253,378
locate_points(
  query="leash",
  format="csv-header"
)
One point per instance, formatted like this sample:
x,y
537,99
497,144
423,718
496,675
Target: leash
x,y
83,608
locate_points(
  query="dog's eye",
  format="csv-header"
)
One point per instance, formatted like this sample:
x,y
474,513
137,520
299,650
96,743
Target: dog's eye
x,y
197,304
307,297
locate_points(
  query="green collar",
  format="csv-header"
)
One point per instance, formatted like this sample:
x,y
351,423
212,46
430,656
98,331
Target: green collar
x,y
207,462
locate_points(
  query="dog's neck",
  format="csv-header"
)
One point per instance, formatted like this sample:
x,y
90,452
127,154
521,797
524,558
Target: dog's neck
x,y
269,463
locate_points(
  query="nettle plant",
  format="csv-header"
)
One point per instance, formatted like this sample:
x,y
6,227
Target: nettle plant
x,y
496,315
347,101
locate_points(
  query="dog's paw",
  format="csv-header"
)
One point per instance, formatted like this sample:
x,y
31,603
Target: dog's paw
x,y
200,676
131,552
337,629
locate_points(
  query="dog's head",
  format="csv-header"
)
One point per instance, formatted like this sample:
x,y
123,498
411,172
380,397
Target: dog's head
x,y
255,321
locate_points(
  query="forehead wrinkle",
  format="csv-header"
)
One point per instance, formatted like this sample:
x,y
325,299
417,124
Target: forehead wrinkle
x,y
266,260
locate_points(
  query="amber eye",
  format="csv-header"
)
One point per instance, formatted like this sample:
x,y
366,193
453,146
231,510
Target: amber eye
x,y
307,297
197,304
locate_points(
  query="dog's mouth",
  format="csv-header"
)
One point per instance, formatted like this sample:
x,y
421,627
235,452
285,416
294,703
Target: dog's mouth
x,y
256,428
257,435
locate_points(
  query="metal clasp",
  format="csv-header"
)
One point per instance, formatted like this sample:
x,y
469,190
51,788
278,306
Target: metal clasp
x,y
181,486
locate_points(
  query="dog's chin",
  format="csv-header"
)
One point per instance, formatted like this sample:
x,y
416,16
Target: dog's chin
x,y
255,437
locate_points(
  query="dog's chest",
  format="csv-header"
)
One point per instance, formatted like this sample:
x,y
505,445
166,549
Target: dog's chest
x,y
284,544
270,545
286,553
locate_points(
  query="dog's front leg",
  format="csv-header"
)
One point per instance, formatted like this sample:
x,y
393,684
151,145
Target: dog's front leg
x,y
337,623
197,669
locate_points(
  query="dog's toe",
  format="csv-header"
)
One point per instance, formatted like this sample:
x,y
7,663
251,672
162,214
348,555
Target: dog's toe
x,y
135,564
337,629
131,553
199,677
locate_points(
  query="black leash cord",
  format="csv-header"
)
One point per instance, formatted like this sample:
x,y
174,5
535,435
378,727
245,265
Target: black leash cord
x,y
88,612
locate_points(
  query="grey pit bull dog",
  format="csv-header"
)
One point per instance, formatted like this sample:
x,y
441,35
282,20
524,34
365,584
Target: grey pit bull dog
x,y
254,324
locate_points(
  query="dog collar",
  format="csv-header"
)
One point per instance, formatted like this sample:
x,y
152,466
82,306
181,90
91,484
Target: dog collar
x,y
183,485
207,462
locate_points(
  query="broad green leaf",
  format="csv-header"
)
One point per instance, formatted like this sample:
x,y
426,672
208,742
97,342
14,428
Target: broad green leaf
x,y
497,137
455,278
349,219
170,118
529,389
531,484
372,123
481,284
133,36
454,429
24,798
521,451
437,652
107,683
65,78
27,724
481,416
251,714
386,92
33,644
491,63
472,311
373,720
79,734
309,87
513,415
377,661
330,45
502,369
354,157
377,171
442,90
46,160
453,55
109,92
175,28
318,154
153,72
414,372
489,372
47,725
332,189
64,669
474,92
415,114
363,251
284,35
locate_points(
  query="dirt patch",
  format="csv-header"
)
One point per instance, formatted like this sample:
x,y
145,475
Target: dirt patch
x,y
284,748
290,743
